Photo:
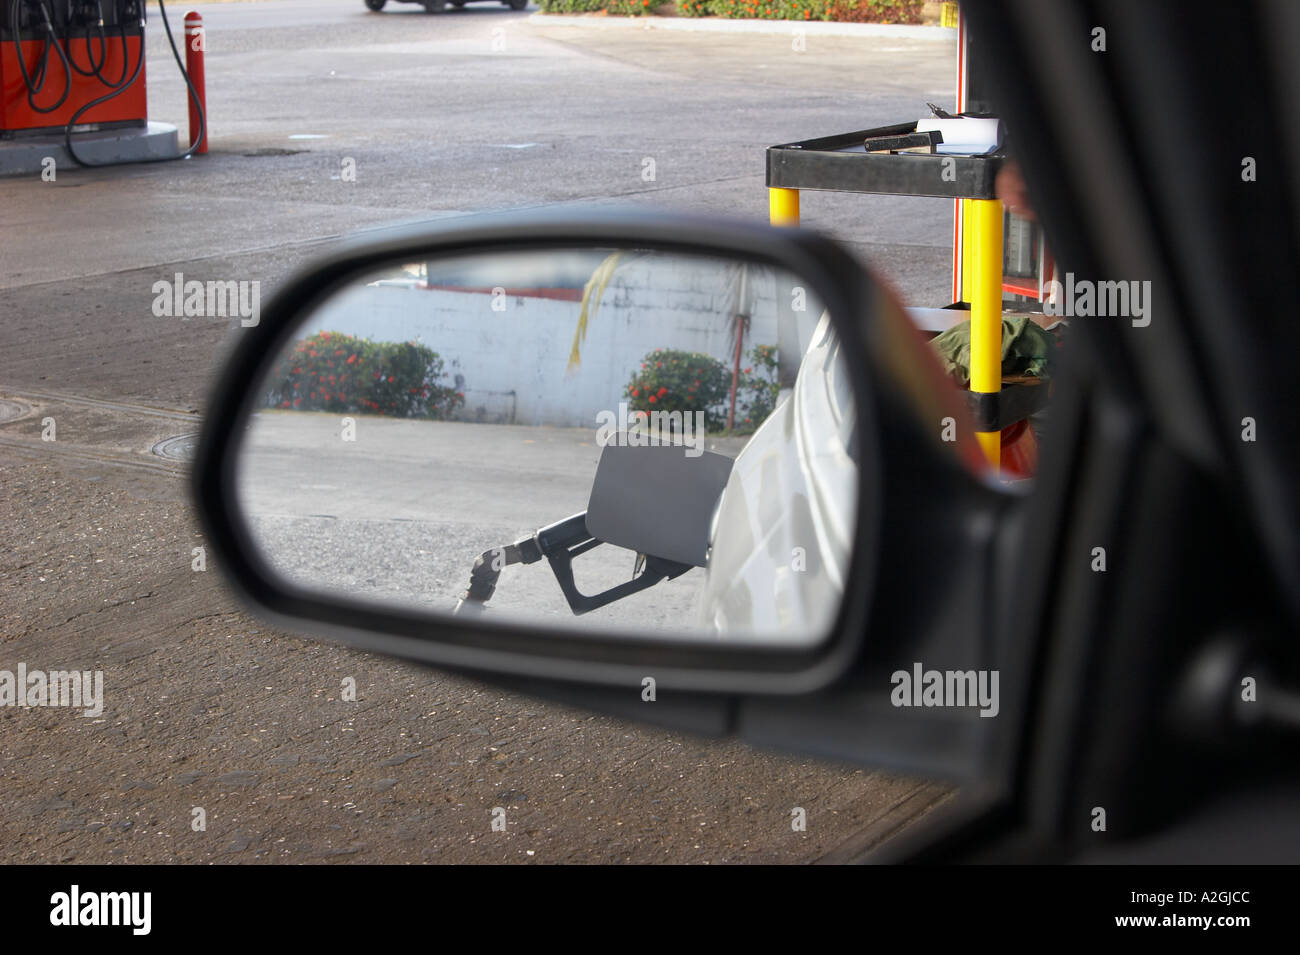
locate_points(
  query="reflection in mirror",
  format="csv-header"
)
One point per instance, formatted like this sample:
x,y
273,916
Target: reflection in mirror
x,y
618,439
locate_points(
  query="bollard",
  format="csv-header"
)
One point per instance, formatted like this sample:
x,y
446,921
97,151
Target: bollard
x,y
984,238
195,41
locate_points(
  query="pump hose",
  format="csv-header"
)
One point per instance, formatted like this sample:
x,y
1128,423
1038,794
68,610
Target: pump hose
x,y
36,84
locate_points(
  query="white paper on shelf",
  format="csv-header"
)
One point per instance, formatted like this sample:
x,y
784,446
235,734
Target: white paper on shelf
x,y
962,135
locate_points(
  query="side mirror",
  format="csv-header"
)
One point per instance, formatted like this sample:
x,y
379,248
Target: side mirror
x,y
559,448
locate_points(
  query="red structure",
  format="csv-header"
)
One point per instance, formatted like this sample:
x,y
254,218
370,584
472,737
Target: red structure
x,y
53,67
195,46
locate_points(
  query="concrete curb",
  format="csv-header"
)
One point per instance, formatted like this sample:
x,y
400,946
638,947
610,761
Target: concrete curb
x,y
25,156
724,25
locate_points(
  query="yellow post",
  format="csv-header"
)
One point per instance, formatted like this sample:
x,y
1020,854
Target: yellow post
x,y
967,246
783,207
983,234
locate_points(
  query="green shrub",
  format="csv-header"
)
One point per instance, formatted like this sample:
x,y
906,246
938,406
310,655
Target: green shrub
x,y
334,372
874,11
754,9
625,8
671,380
857,11
758,389
854,11
571,6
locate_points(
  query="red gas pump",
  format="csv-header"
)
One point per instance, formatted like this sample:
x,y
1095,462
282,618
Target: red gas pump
x,y
77,62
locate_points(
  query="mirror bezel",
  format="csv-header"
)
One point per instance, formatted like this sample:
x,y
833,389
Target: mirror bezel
x,y
493,646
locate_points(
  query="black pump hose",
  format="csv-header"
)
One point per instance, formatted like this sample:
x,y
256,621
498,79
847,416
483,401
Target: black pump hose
x,y
36,84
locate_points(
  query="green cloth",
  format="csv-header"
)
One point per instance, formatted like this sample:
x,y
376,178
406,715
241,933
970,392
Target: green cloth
x,y
1026,349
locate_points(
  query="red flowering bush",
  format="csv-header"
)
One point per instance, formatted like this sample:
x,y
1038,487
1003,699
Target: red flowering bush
x,y
671,380
860,11
754,9
625,8
331,371
874,11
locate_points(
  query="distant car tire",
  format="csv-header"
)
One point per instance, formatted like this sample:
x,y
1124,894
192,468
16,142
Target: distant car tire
x,y
516,4
434,6
458,4
375,5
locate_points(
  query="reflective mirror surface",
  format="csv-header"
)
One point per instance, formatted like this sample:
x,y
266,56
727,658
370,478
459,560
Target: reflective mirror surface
x,y
618,439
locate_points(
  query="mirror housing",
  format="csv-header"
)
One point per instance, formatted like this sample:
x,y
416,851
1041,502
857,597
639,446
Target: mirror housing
x,y
865,319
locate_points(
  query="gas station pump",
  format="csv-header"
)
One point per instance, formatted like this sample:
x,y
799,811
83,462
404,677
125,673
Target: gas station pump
x,y
75,66
57,57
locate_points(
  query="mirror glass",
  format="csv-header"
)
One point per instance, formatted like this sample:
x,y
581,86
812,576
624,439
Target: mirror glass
x,y
619,439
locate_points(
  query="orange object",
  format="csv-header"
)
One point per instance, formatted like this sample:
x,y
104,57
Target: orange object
x,y
1020,450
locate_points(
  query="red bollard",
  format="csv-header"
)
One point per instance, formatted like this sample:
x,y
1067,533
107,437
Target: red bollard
x,y
195,41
